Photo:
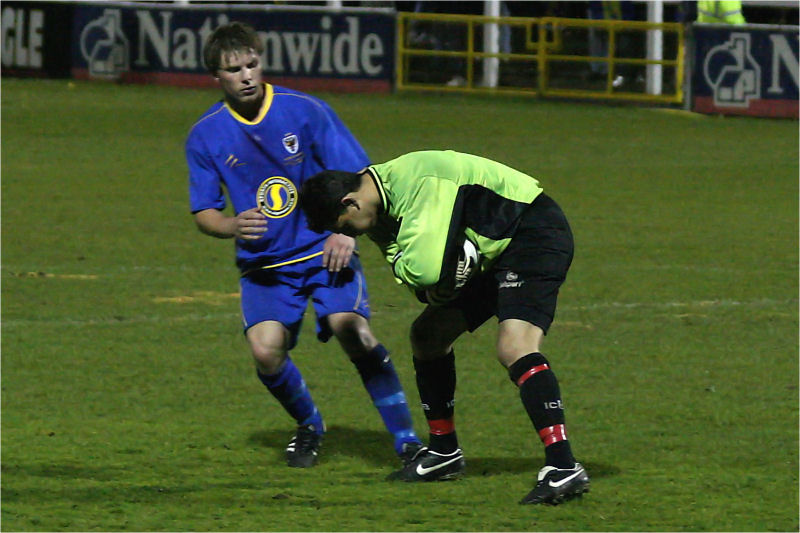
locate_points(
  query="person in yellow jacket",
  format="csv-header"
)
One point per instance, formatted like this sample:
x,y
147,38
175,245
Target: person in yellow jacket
x,y
720,12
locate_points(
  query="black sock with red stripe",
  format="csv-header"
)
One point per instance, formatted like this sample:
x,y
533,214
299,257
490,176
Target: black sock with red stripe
x,y
436,382
538,389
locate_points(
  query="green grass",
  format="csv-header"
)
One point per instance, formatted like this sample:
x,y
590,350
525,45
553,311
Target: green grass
x,y
129,401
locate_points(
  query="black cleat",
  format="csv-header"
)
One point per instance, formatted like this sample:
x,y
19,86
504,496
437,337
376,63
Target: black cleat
x,y
558,485
410,452
431,466
303,449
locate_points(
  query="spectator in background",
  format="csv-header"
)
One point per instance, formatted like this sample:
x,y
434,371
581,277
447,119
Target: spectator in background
x,y
720,12
441,35
598,39
686,11
260,143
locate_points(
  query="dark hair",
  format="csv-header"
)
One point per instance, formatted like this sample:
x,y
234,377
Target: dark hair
x,y
321,197
232,37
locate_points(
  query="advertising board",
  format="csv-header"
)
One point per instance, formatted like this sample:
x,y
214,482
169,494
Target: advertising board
x,y
745,70
34,40
315,49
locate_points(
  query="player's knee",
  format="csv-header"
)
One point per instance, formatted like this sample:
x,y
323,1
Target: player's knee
x,y
353,333
426,342
269,344
267,356
509,352
517,339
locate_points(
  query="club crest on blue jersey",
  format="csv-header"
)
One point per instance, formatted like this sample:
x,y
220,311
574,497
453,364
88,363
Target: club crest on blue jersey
x,y
291,143
276,197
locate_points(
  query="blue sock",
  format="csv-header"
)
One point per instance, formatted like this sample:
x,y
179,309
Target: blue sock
x,y
290,390
380,379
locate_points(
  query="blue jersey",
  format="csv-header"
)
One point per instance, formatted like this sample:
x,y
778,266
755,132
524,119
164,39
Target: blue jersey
x,y
263,163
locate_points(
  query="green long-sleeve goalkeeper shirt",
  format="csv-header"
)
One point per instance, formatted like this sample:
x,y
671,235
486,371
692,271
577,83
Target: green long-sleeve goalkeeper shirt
x,y
432,200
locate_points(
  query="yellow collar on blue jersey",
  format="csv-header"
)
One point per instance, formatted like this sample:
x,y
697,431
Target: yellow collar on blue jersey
x,y
265,105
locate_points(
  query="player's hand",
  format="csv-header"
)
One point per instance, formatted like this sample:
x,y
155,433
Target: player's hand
x,y
337,251
251,224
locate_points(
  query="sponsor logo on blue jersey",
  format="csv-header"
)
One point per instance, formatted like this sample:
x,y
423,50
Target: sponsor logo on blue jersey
x,y
276,197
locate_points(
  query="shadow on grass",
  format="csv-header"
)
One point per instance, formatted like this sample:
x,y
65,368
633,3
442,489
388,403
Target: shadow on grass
x,y
491,466
368,445
113,487
375,447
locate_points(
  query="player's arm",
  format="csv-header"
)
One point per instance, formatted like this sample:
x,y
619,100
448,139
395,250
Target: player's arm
x,y
422,237
386,243
384,235
334,147
248,225
207,198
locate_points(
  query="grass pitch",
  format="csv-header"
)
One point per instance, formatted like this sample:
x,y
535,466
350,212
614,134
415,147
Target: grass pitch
x,y
129,401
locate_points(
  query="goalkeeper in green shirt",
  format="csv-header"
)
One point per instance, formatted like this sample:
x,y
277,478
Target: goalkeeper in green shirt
x,y
474,239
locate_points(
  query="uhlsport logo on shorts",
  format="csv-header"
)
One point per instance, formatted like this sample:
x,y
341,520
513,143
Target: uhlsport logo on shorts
x,y
277,197
512,281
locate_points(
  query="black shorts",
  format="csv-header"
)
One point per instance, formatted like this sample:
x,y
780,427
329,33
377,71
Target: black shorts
x,y
523,282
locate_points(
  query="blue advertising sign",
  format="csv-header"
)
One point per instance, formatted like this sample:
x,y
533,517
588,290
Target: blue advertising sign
x,y
317,49
745,70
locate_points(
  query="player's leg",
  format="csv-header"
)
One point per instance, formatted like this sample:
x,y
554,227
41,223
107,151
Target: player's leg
x,y
268,343
518,348
272,312
432,336
342,306
379,377
529,275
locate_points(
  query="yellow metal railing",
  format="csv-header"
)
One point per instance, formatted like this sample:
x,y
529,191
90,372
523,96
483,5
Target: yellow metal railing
x,y
543,48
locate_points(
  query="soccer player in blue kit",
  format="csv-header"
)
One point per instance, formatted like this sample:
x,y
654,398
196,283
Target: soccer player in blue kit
x,y
260,143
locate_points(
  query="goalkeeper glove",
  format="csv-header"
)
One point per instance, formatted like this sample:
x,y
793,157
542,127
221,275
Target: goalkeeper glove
x,y
467,262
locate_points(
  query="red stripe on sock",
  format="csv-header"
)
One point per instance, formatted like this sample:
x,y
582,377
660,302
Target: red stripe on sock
x,y
552,434
442,426
524,377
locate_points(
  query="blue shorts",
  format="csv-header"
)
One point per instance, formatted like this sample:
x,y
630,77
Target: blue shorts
x,y
282,296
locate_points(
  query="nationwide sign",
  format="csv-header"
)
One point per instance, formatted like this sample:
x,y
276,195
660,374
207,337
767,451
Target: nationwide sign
x,y
317,49
745,70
